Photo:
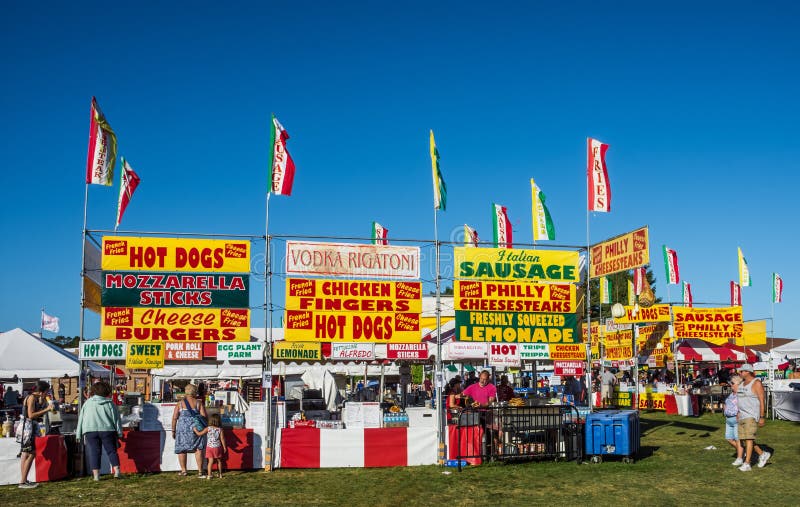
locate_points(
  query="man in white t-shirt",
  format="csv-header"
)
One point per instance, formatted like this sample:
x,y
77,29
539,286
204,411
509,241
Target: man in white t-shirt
x,y
607,381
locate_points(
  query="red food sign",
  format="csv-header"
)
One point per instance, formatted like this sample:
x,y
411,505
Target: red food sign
x,y
563,368
407,351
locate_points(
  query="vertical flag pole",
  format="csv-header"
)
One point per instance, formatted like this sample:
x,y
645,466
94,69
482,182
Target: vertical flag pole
x,y
439,373
588,302
81,381
771,346
267,373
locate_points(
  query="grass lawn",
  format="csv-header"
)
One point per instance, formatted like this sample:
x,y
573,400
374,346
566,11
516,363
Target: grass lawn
x,y
673,469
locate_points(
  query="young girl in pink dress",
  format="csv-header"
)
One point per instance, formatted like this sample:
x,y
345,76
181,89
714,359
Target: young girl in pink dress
x,y
215,444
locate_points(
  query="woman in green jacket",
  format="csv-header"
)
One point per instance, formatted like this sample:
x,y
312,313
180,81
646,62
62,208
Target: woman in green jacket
x,y
100,424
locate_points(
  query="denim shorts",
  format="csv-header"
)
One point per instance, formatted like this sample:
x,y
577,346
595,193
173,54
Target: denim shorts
x,y
731,428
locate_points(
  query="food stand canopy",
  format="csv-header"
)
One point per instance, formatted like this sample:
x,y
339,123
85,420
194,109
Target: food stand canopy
x,y
29,357
702,351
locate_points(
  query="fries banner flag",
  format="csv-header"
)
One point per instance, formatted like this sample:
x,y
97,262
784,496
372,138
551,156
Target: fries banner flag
x,y
49,323
281,167
687,295
777,288
379,234
597,174
128,181
736,294
470,236
605,290
631,293
439,188
671,266
543,228
744,271
639,275
102,149
501,225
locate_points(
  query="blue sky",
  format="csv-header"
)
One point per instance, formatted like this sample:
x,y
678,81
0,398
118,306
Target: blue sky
x,y
698,104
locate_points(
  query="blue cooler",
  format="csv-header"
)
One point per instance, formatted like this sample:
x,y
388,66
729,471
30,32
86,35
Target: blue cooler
x,y
612,432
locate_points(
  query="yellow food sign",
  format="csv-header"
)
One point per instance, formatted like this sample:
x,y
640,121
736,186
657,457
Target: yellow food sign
x,y
145,355
122,253
516,264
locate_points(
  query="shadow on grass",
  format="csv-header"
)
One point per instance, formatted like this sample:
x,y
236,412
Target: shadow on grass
x,y
646,451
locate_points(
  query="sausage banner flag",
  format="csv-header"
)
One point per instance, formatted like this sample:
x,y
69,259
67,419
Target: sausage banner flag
x,y
597,174
605,290
503,236
744,272
281,166
687,295
379,234
631,293
470,236
543,228
736,294
439,188
777,288
671,266
129,180
102,149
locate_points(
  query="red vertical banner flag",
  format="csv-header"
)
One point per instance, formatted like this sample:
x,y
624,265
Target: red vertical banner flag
x,y
129,180
102,149
671,266
597,174
501,225
736,294
687,294
639,275
281,163
379,234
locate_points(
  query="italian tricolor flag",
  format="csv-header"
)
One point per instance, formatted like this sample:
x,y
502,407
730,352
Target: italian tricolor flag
x,y
129,180
777,288
671,266
281,163
379,234
687,294
102,149
503,236
543,228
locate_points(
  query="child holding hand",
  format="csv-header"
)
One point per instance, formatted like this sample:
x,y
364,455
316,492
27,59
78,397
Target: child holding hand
x,y
215,444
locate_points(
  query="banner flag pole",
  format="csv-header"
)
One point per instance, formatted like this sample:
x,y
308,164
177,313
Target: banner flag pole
x,y
266,374
439,373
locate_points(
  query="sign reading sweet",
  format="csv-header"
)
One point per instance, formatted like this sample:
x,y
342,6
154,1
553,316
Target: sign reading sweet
x,y
514,297
175,324
144,355
169,255
516,327
620,253
516,264
352,260
717,325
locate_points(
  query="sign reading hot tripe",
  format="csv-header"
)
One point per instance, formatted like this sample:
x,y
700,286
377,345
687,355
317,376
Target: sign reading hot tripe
x,y
175,324
352,351
516,264
145,355
175,289
716,325
516,327
655,313
169,255
347,310
101,351
297,351
621,253
514,297
504,354
240,351
352,260
183,351
562,368
407,351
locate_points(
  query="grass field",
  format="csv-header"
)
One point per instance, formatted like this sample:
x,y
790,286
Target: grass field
x,y
673,469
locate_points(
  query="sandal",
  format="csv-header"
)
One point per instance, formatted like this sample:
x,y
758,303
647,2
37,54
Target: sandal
x,y
183,474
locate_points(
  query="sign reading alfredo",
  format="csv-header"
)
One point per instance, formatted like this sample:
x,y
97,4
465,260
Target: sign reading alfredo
x,y
163,289
508,295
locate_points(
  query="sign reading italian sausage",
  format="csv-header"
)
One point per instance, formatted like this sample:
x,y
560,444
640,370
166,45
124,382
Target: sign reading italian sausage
x,y
122,253
175,324
514,297
620,253
516,264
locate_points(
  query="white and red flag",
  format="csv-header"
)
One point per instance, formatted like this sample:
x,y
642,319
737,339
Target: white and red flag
x,y
379,234
777,288
49,323
129,180
736,294
639,277
470,236
501,225
687,294
102,149
597,174
281,173
671,266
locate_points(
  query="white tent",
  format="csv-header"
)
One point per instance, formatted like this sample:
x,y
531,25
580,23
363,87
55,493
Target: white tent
x,y
29,357
789,350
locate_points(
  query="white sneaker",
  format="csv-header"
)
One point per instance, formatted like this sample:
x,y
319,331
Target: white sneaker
x,y
762,460
745,468
738,462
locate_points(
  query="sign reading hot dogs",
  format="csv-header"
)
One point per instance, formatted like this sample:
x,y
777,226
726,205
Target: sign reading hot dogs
x,y
121,253
318,326
620,253
353,296
175,324
514,297
655,313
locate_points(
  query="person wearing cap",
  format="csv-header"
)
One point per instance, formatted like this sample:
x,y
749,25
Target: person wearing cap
x,y
751,416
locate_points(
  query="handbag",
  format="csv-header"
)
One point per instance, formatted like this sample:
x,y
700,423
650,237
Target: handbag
x,y
199,422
